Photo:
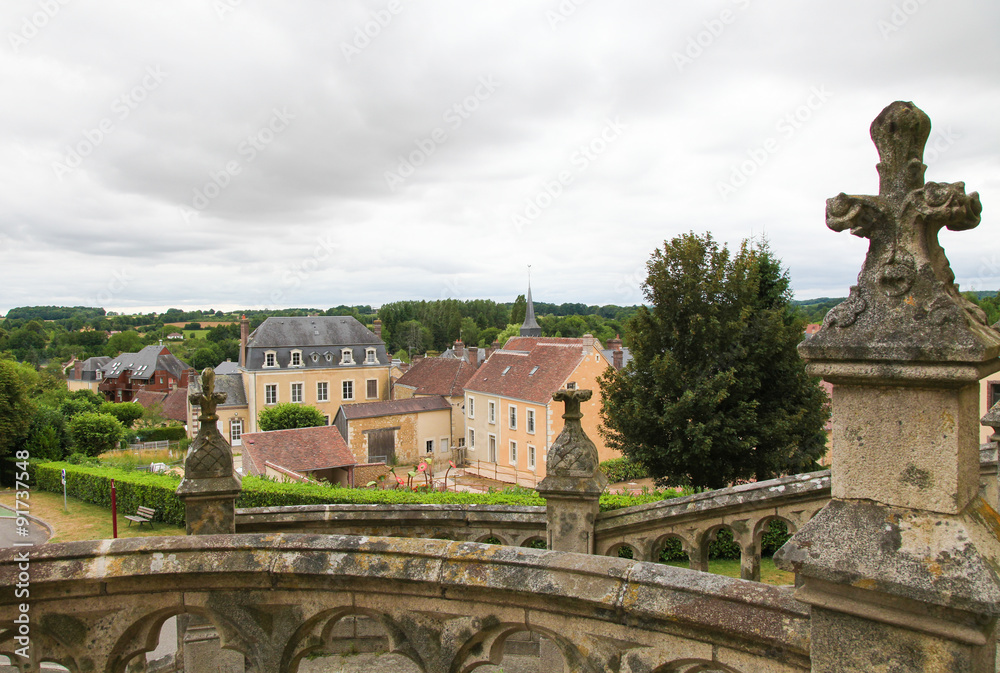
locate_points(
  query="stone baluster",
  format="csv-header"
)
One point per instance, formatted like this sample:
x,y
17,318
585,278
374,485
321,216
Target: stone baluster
x,y
573,483
900,566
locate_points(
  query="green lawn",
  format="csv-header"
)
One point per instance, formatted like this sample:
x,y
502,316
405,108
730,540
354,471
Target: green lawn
x,y
769,574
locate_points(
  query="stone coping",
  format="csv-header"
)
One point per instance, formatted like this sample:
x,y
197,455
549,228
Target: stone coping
x,y
600,588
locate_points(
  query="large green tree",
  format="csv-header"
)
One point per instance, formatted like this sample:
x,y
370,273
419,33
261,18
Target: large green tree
x,y
95,434
288,415
715,392
127,413
16,410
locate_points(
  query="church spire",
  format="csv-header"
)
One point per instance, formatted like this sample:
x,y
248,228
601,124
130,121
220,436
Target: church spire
x,y
530,326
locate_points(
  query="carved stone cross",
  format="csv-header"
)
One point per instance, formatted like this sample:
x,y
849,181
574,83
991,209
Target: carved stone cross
x,y
906,305
208,399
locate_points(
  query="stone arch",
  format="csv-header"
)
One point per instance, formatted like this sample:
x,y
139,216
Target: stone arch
x,y
487,538
486,648
614,550
661,542
533,541
694,666
762,524
317,635
143,635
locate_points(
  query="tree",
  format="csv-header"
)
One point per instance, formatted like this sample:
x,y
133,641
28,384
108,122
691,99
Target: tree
x,y
128,341
288,415
95,433
518,310
127,413
715,392
15,407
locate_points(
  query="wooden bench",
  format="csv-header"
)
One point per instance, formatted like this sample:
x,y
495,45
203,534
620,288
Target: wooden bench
x,y
141,516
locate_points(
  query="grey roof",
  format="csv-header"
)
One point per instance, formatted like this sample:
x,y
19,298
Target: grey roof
x,y
88,368
230,384
228,367
409,405
144,363
449,354
609,354
317,331
530,326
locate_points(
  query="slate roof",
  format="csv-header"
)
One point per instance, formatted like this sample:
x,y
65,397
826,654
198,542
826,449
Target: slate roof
x,y
144,363
393,407
301,449
528,368
438,376
228,367
231,384
320,336
89,368
449,354
609,355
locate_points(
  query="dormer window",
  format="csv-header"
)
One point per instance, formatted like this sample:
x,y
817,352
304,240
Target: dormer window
x,y
270,359
296,360
346,357
533,370
329,356
314,357
370,357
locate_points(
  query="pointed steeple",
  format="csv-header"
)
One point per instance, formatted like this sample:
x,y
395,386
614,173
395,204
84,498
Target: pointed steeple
x,y
530,326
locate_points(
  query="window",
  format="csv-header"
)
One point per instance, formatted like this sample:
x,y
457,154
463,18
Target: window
x,y
531,421
533,370
329,356
323,391
371,389
270,359
347,390
472,439
326,419
314,357
297,392
513,417
492,457
370,357
429,446
296,359
571,385
346,357
491,412
236,431
513,453
271,393
470,407
531,457
443,445
992,393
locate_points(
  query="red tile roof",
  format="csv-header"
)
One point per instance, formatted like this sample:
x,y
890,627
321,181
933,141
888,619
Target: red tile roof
x,y
393,407
174,403
438,376
301,449
538,368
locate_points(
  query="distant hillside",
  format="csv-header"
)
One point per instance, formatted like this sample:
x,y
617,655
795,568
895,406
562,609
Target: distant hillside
x,y
814,310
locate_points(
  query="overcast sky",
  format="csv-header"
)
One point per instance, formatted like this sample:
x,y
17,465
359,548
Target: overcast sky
x,y
242,153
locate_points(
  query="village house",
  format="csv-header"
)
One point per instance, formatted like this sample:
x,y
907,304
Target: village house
x,y
444,377
398,431
153,368
301,454
234,412
83,374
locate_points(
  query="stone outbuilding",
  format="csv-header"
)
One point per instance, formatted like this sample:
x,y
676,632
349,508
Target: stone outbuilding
x,y
398,431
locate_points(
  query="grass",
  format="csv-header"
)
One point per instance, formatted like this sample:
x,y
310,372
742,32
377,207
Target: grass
x,y
83,521
769,574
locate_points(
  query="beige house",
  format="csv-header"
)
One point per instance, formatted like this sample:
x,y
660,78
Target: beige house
x,y
398,431
445,377
85,374
234,413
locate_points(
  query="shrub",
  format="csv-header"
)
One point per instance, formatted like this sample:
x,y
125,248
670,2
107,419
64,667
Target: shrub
x,y
774,537
96,433
170,433
623,469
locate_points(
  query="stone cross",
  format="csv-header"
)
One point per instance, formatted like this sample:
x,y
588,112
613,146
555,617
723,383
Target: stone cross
x,y
906,305
208,399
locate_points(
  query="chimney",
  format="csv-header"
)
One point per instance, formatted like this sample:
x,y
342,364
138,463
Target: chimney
x,y
377,328
588,342
616,343
617,357
77,371
459,349
493,348
473,354
244,336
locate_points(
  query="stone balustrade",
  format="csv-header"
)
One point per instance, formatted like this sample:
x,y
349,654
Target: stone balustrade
x,y
447,606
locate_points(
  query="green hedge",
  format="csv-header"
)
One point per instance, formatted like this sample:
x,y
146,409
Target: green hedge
x,y
623,469
171,433
92,484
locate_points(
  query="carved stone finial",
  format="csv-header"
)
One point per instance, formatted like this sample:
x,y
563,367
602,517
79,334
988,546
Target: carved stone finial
x,y
573,454
207,399
906,306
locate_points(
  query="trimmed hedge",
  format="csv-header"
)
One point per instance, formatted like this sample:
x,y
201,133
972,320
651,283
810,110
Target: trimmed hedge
x,y
92,484
171,433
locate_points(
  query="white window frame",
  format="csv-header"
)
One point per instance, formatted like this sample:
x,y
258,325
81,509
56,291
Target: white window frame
x,y
531,456
346,394
236,431
472,439
271,360
323,394
512,416
513,453
529,422
346,356
301,392
371,397
491,412
370,356
491,448
271,388
470,407
293,356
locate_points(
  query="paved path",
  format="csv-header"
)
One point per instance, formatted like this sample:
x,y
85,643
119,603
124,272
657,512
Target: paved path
x,y
37,533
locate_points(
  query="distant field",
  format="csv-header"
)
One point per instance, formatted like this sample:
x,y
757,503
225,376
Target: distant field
x,y
203,323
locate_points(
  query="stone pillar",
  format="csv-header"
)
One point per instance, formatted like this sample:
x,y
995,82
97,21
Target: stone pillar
x,y
210,485
899,568
573,483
